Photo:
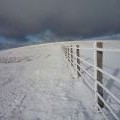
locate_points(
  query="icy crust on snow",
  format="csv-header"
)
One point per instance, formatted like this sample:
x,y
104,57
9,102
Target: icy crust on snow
x,y
36,83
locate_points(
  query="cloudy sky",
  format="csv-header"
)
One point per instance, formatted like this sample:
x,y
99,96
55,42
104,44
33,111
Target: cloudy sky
x,y
63,17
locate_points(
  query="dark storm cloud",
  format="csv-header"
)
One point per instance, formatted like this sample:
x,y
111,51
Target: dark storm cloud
x,y
64,17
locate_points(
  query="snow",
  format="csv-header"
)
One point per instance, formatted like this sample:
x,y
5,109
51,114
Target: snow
x,y
36,83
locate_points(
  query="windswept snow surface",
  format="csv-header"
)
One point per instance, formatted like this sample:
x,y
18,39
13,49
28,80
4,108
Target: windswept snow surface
x,y
36,83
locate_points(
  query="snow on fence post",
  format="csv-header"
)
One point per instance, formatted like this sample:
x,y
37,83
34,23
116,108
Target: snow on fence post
x,y
78,60
95,73
63,48
71,56
98,76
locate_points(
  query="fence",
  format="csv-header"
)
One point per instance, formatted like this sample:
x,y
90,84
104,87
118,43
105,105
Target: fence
x,y
72,52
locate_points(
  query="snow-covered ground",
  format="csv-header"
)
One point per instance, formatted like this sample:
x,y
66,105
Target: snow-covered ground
x,y
36,83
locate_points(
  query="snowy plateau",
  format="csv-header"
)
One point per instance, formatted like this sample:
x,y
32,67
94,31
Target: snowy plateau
x,y
37,83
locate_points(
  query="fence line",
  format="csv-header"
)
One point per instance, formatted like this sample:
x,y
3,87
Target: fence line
x,y
73,54
104,72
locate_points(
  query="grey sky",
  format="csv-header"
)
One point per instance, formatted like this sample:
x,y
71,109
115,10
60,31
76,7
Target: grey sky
x,y
64,17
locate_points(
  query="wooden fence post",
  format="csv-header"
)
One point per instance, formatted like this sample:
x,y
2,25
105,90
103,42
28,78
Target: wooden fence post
x,y
65,52
68,54
78,60
99,74
71,56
